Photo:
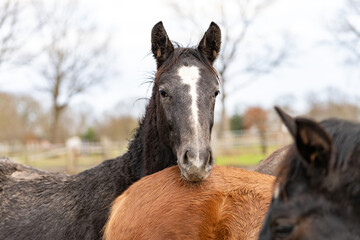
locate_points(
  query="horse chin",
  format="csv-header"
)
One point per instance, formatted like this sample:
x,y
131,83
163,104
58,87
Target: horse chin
x,y
194,177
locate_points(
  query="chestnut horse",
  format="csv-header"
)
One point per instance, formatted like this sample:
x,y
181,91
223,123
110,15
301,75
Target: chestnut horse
x,y
230,204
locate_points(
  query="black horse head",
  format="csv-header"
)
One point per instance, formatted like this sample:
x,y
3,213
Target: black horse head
x,y
185,89
318,187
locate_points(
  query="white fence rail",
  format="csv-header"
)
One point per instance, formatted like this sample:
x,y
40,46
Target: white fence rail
x,y
248,139
233,142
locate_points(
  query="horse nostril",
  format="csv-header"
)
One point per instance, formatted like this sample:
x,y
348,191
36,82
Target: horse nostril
x,y
210,159
186,159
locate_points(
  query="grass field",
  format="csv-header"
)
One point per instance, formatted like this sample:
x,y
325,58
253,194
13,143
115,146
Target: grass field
x,y
243,156
240,160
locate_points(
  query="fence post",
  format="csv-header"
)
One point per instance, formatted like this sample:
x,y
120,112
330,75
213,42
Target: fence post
x,y
70,163
105,146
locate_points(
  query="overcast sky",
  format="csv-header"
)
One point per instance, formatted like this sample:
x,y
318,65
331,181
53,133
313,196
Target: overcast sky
x,y
314,65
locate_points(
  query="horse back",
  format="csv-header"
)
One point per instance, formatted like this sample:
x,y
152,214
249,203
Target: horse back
x,y
229,204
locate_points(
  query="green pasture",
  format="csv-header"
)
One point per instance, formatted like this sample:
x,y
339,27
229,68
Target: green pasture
x,y
239,160
243,156
58,164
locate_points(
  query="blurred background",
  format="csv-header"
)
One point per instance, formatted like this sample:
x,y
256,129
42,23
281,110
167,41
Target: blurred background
x,y
75,76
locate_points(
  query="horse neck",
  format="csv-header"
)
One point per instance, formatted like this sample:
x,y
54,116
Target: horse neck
x,y
146,154
156,154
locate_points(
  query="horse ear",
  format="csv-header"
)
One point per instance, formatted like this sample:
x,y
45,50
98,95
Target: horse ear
x,y
161,45
287,120
313,144
209,45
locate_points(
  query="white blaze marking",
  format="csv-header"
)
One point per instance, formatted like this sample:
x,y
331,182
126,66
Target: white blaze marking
x,y
190,76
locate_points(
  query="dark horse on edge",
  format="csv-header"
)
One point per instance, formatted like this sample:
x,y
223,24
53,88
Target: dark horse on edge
x,y
176,129
318,186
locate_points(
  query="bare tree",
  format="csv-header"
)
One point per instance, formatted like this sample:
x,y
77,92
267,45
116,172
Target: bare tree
x,y
9,16
333,103
20,116
346,30
117,128
73,58
118,124
17,28
11,28
235,30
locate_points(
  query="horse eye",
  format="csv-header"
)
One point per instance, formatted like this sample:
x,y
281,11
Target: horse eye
x,y
216,93
163,93
282,229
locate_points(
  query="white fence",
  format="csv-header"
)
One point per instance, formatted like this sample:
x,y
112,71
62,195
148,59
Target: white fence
x,y
230,143
32,153
250,139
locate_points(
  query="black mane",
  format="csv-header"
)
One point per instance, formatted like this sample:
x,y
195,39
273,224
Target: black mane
x,y
346,140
